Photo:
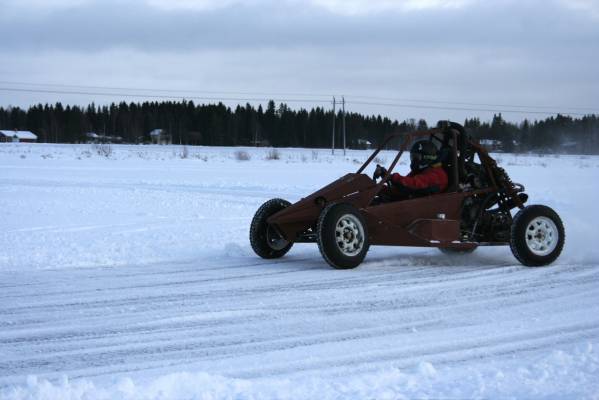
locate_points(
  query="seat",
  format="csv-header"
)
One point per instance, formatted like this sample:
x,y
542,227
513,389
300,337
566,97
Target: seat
x,y
446,160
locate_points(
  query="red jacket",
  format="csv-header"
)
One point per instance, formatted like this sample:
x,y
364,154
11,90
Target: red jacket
x,y
435,175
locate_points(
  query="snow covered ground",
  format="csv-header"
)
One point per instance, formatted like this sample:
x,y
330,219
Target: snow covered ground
x,y
131,276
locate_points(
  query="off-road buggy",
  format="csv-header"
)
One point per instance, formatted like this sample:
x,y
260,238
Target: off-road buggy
x,y
347,216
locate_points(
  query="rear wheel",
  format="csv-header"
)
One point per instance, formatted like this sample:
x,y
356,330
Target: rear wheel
x,y
266,241
537,236
342,236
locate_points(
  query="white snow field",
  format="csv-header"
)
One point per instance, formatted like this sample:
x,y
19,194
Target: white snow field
x,y
131,277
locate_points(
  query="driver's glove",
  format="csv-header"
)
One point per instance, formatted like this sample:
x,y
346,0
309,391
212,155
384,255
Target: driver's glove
x,y
379,172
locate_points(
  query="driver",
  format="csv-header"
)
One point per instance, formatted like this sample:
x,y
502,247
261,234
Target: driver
x,y
427,175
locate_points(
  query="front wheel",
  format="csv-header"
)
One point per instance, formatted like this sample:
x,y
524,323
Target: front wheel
x,y
266,241
342,236
537,236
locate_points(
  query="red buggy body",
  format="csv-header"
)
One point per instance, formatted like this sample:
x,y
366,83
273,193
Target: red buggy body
x,y
347,216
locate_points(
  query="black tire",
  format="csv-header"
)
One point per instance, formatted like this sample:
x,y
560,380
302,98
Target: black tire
x,y
342,217
533,236
265,241
457,252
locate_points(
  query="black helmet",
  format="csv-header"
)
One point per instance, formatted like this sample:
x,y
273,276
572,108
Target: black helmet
x,y
422,154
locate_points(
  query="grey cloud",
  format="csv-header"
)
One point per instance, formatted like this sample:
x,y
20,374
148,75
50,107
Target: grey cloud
x,y
112,24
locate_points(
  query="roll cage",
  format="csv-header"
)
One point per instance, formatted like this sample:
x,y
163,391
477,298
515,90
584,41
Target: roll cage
x,y
456,149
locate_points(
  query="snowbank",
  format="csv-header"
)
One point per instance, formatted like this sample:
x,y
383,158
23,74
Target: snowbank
x,y
559,374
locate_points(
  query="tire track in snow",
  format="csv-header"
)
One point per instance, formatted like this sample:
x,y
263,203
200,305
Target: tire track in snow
x,y
228,315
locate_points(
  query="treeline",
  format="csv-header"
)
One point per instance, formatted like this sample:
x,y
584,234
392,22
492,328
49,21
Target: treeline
x,y
188,123
277,125
561,134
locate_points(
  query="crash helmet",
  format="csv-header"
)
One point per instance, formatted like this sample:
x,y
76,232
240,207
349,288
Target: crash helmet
x,y
422,154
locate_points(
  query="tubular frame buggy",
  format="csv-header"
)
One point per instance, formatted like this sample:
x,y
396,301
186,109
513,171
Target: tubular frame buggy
x,y
347,216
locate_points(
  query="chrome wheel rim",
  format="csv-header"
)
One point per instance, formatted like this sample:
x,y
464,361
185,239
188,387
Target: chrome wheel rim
x,y
274,239
541,236
349,235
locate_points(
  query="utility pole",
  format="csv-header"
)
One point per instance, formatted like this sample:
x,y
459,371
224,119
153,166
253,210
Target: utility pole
x,y
343,112
333,137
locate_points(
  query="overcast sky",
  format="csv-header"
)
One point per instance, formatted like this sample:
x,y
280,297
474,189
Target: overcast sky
x,y
432,59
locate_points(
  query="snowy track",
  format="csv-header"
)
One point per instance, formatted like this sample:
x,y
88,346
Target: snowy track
x,y
215,319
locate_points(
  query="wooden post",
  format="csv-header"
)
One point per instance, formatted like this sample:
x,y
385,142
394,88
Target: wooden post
x,y
333,135
343,121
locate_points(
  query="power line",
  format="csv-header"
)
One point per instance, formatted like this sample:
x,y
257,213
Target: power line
x,y
472,104
114,94
304,94
84,87
446,108
285,100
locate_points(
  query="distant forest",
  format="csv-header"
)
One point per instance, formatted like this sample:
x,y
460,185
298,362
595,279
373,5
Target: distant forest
x,y
279,126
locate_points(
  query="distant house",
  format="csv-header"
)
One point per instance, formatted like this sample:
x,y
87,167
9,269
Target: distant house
x,y
363,144
260,143
92,137
571,146
160,136
491,144
18,136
